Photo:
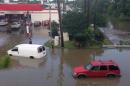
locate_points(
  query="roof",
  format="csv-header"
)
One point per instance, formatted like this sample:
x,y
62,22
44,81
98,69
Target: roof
x,y
100,62
29,46
21,7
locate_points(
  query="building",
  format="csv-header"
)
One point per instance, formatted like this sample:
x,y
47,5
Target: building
x,y
20,9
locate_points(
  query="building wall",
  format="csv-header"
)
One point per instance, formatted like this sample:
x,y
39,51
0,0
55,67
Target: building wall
x,y
37,15
44,15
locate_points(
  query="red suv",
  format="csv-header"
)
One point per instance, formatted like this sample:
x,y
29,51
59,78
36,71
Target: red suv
x,y
97,68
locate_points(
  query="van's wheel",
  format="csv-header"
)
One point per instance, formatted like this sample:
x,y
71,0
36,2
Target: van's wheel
x,y
82,76
111,76
31,57
10,54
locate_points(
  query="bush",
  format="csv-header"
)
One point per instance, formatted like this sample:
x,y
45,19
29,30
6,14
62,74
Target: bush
x,y
54,29
80,40
4,62
48,44
69,44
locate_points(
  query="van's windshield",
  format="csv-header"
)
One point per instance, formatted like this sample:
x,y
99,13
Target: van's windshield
x,y
15,49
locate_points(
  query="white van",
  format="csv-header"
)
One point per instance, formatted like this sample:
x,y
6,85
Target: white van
x,y
28,50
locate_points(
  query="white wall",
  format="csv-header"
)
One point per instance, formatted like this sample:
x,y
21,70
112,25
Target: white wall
x,y
66,36
44,15
6,1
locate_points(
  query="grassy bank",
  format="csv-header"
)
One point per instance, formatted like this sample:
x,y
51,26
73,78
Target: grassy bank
x,y
4,61
107,42
122,25
71,45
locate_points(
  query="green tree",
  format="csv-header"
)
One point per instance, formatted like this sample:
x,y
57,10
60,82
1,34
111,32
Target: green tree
x,y
120,9
74,22
54,29
93,36
80,40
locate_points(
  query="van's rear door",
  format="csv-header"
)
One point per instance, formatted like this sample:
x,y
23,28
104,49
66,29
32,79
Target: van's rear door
x,y
40,52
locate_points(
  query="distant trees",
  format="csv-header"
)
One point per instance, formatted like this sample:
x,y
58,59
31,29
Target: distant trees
x,y
120,9
95,10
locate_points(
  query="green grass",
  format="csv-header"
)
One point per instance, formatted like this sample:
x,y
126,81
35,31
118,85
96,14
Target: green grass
x,y
4,61
69,45
106,42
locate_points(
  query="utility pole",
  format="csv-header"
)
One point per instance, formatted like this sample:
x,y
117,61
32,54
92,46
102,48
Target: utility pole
x,y
60,21
87,10
85,6
95,14
88,13
64,6
49,15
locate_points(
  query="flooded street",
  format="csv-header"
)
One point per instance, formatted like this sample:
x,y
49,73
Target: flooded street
x,y
55,69
9,40
116,34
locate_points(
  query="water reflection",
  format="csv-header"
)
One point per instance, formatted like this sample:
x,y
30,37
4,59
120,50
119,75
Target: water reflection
x,y
79,56
72,58
23,62
57,68
98,82
8,40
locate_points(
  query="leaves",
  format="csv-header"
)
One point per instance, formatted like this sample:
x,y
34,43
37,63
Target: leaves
x,y
74,22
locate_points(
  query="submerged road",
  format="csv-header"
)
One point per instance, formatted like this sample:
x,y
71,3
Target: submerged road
x,y
9,40
114,35
55,69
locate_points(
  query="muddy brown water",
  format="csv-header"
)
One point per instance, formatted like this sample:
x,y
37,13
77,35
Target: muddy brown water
x,y
55,69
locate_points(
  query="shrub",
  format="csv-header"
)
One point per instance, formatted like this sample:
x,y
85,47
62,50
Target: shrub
x,y
4,62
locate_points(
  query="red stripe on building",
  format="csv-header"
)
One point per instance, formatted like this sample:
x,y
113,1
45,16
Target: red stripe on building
x,y
21,7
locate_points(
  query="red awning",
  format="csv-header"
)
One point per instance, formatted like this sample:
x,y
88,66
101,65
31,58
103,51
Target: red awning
x,y
21,7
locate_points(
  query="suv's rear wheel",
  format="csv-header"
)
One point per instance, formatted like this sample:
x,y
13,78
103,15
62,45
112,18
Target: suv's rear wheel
x,y
82,76
111,76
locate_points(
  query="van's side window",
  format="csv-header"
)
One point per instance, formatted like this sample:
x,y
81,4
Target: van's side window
x,y
15,49
39,50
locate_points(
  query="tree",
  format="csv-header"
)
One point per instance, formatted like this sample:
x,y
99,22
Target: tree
x,y
74,22
80,40
54,29
93,36
120,9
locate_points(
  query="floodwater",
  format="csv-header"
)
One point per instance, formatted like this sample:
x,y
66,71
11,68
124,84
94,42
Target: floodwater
x,y
116,33
9,40
55,69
